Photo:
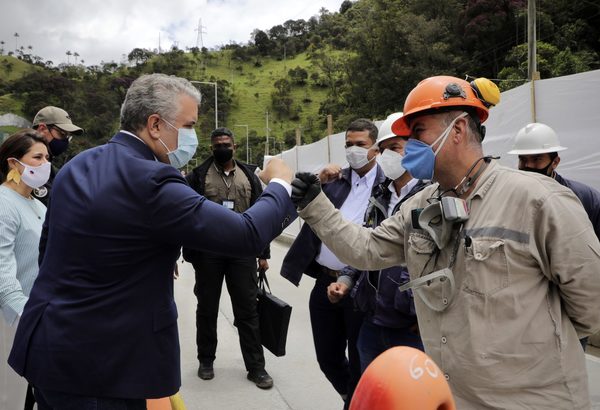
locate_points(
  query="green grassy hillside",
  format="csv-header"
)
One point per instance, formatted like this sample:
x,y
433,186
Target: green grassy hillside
x,y
9,104
252,87
12,68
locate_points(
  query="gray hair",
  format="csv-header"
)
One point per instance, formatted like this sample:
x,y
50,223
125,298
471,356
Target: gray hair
x,y
473,133
154,94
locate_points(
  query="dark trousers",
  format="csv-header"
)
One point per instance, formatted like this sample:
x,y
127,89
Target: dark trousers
x,y
374,340
242,284
51,400
335,327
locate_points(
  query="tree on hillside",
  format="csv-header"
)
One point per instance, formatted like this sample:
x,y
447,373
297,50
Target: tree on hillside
x,y
281,98
16,35
551,62
483,28
298,75
387,60
172,62
7,66
262,42
278,33
39,88
297,36
332,27
570,24
330,68
296,28
345,6
139,56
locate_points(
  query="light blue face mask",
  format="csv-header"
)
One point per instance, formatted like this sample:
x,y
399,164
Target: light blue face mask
x,y
187,142
419,158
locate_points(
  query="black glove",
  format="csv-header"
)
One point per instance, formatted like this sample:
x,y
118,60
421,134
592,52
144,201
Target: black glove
x,y
305,187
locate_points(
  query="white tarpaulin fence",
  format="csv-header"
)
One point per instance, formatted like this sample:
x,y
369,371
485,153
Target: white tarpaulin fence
x,y
570,105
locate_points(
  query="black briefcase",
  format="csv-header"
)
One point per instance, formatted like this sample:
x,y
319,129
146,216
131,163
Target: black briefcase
x,y
274,316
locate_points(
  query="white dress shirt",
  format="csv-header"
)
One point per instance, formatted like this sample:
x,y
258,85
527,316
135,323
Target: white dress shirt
x,y
403,192
353,209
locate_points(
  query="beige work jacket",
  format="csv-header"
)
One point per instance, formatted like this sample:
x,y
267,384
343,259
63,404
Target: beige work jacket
x,y
527,274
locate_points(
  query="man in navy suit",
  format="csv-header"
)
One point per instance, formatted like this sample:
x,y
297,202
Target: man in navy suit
x,y
100,327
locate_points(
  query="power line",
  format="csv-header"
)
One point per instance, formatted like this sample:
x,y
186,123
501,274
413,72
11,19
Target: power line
x,y
199,29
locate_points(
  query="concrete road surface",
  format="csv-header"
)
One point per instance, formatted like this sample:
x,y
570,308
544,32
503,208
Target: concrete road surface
x,y
299,384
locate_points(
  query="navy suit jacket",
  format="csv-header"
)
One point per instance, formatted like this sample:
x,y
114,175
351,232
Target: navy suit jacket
x,y
101,319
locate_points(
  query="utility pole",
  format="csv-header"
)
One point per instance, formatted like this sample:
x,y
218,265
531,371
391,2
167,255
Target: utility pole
x,y
532,73
216,105
298,137
200,30
531,41
247,145
267,129
329,133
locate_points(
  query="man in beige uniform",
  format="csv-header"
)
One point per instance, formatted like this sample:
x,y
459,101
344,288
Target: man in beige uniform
x,y
511,286
233,184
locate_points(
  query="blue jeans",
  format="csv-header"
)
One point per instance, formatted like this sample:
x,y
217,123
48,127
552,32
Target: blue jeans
x,y
52,400
374,340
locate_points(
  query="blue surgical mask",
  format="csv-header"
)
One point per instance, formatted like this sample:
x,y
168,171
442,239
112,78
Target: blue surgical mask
x,y
419,158
187,142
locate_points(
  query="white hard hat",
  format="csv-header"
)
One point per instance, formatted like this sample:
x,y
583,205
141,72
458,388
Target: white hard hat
x,y
536,138
385,130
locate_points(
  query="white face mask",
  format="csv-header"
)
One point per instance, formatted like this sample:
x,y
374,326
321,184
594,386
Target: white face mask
x,y
35,177
357,157
391,164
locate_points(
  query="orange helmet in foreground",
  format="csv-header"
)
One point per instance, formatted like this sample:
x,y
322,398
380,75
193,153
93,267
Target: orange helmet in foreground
x,y
402,378
445,92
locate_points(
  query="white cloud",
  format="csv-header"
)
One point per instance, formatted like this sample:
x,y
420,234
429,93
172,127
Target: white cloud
x,y
105,30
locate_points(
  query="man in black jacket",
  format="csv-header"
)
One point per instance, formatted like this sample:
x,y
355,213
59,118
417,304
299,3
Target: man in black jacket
x,y
233,184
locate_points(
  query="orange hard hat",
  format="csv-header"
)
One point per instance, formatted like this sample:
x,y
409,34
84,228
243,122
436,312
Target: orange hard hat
x,y
402,378
442,92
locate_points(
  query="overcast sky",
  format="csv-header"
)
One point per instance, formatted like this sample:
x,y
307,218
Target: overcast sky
x,y
105,30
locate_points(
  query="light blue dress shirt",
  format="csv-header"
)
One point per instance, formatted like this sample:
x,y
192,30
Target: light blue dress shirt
x,y
21,221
